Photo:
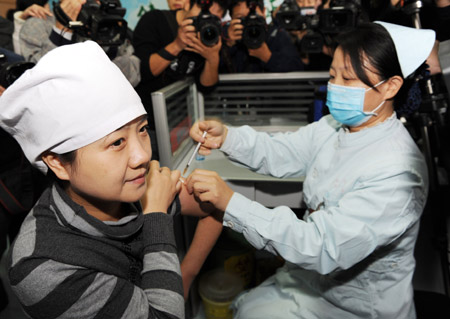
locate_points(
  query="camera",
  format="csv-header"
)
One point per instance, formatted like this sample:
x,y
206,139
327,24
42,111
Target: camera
x,y
255,27
342,16
322,25
291,17
11,71
102,21
207,24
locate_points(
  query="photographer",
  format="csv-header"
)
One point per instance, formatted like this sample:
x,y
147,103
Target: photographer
x,y
39,36
177,4
313,61
170,49
243,53
27,9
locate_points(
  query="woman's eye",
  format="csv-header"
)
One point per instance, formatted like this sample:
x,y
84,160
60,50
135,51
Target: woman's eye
x,y
118,142
145,129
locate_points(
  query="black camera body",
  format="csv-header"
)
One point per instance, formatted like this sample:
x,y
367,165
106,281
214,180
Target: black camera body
x,y
290,16
207,24
11,71
100,21
255,27
341,16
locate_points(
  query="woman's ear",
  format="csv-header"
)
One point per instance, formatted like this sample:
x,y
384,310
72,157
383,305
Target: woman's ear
x,y
394,85
54,163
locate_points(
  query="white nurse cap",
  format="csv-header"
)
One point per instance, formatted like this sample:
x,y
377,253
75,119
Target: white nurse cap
x,y
73,96
413,46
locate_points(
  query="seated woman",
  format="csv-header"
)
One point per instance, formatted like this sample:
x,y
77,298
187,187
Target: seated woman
x,y
366,185
89,249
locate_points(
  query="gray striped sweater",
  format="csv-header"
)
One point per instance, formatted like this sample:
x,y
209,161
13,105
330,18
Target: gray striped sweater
x,y
67,264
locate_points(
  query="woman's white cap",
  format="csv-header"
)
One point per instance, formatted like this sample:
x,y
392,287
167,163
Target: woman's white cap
x,y
73,96
413,46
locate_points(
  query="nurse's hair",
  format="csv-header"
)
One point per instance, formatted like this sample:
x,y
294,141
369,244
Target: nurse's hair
x,y
373,42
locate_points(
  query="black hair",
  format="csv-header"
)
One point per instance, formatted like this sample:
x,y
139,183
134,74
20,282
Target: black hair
x,y
23,4
68,158
233,3
372,41
222,3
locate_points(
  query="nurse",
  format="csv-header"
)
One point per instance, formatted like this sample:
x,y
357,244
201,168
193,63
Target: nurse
x,y
366,187
89,249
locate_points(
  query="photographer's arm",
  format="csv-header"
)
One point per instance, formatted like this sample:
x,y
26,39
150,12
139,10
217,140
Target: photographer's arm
x,y
20,17
234,32
158,63
39,36
71,8
262,53
210,73
284,55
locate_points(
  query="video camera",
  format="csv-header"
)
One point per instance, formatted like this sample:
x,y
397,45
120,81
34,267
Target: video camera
x,y
291,17
341,16
207,24
102,21
255,27
11,71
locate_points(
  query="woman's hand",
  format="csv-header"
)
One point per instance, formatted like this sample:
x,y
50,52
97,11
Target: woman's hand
x,y
216,135
162,186
208,186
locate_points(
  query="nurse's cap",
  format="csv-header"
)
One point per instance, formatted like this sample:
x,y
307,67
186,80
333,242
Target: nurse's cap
x,y
413,46
73,96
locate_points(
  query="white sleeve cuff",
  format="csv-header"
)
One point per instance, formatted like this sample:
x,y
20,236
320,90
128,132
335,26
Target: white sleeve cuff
x,y
66,35
227,146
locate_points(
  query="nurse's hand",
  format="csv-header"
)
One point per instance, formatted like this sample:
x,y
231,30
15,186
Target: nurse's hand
x,y
215,137
162,186
208,186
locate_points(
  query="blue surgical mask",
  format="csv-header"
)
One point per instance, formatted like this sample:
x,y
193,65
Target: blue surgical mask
x,y
346,104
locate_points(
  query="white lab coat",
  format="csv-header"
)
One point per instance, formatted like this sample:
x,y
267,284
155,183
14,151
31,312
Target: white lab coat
x,y
352,257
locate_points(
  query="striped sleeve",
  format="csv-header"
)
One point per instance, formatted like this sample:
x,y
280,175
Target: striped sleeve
x,y
50,289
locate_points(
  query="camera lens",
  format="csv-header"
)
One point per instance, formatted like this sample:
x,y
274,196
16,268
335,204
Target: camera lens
x,y
254,35
209,35
254,32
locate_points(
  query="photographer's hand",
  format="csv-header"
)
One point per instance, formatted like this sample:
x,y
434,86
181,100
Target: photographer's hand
x,y
186,32
210,72
263,53
211,54
36,11
235,31
71,8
